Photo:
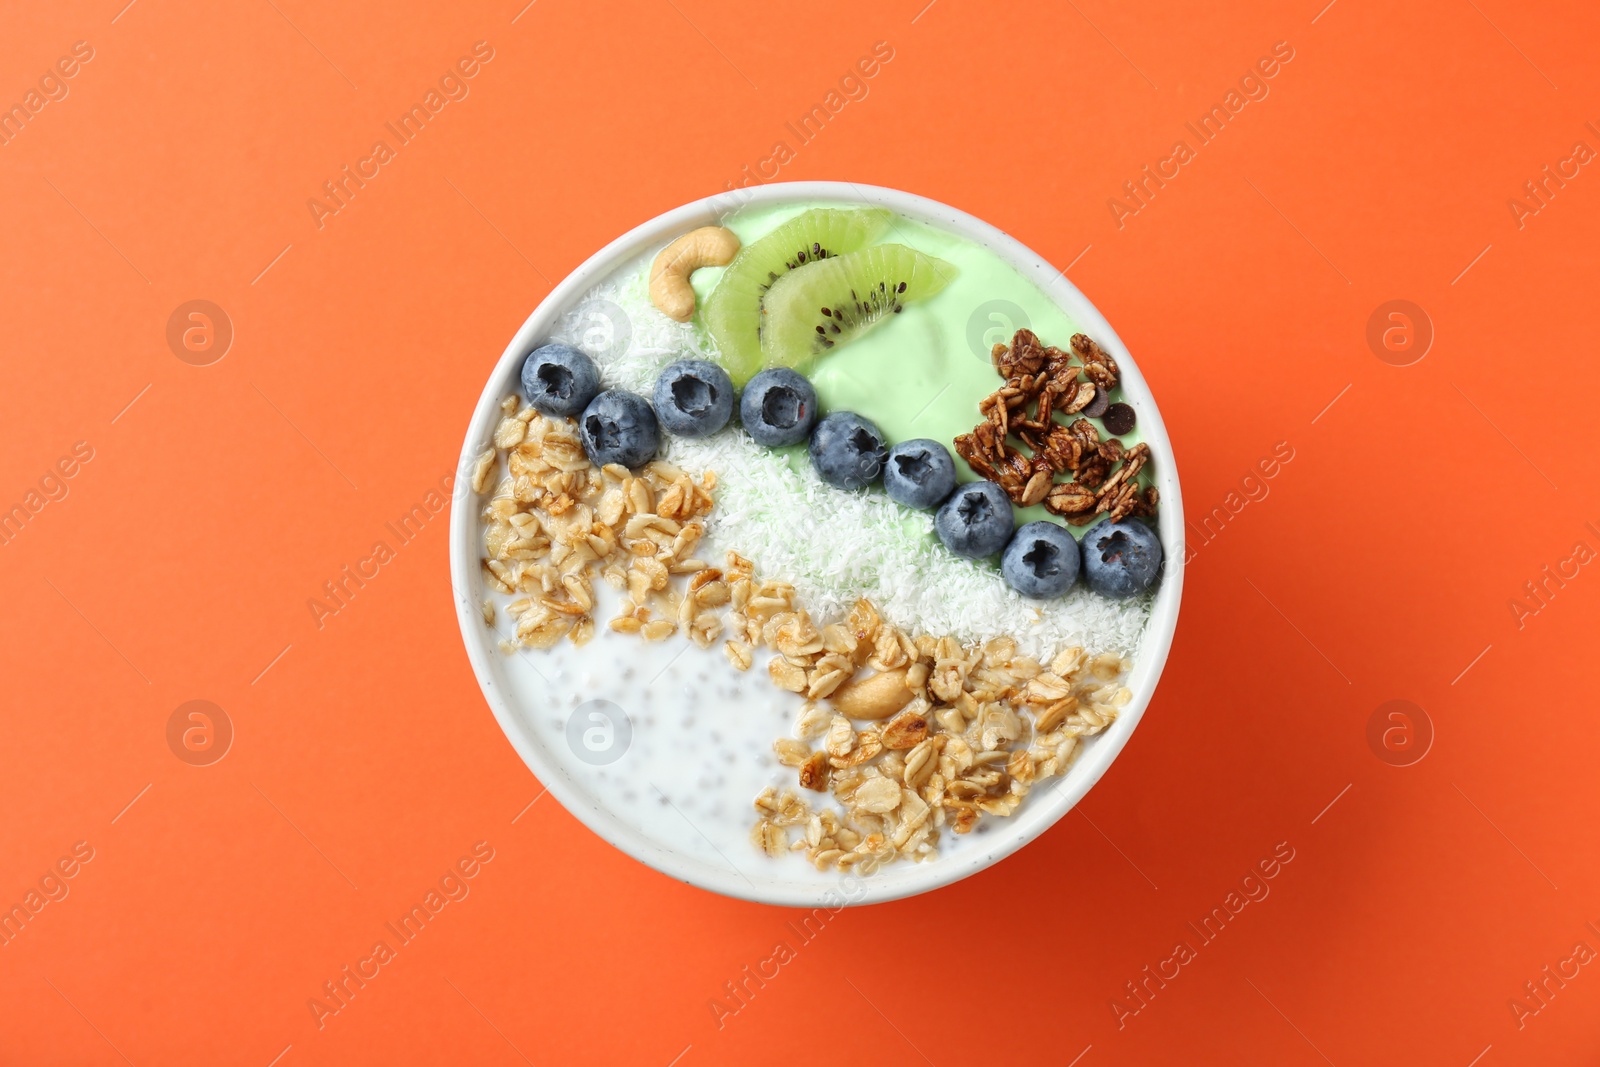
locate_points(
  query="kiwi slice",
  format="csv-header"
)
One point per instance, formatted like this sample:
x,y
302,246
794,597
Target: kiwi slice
x,y
816,308
732,312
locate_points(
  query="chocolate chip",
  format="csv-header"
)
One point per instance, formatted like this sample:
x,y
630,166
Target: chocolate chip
x,y
1118,419
1097,406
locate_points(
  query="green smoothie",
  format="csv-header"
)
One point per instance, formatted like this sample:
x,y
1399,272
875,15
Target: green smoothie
x,y
922,372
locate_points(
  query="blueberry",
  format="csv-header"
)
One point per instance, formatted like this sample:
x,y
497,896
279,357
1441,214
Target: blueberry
x,y
919,474
1121,559
1041,561
976,520
848,451
559,380
693,398
778,407
619,427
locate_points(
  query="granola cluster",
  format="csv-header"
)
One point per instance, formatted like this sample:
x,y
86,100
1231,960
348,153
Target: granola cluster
x,y
556,520
950,732
977,728
1041,381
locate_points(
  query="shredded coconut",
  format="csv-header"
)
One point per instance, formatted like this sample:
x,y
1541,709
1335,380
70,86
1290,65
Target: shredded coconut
x,y
833,546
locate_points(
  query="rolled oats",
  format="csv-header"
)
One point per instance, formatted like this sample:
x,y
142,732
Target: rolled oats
x,y
841,737
787,675
813,722
877,795
738,654
658,630
867,748
814,773
542,629
706,628
922,761
791,753
917,675
824,681
482,469
770,838
907,729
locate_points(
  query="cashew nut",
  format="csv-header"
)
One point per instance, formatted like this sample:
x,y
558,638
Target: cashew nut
x,y
709,246
876,696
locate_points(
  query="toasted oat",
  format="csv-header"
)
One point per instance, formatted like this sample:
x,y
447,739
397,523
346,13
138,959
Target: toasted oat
x,y
787,675
922,762
1053,716
658,630
482,469
878,795
823,681
770,838
738,654
791,753
542,629
1107,666
906,730
841,737
712,594
868,746
814,772
705,628
917,676
813,722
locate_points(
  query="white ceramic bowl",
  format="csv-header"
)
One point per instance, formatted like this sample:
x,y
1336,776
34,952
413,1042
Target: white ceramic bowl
x,y
792,882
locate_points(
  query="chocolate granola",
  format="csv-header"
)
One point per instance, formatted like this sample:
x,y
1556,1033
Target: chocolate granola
x,y
1040,381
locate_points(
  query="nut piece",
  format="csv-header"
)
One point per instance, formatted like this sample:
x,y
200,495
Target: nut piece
x,y
709,246
876,696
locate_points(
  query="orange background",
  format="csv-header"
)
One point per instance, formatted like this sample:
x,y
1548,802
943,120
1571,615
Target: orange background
x,y
365,762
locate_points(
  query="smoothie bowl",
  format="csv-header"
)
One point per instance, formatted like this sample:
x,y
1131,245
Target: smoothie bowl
x,y
817,547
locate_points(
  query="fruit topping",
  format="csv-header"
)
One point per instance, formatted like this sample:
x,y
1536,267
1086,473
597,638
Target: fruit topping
x,y
1121,559
1118,419
559,380
732,312
778,407
619,427
820,306
919,473
693,398
1041,561
847,451
975,521
670,291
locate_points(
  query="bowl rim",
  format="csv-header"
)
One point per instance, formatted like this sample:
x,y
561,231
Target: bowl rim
x,y
851,889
